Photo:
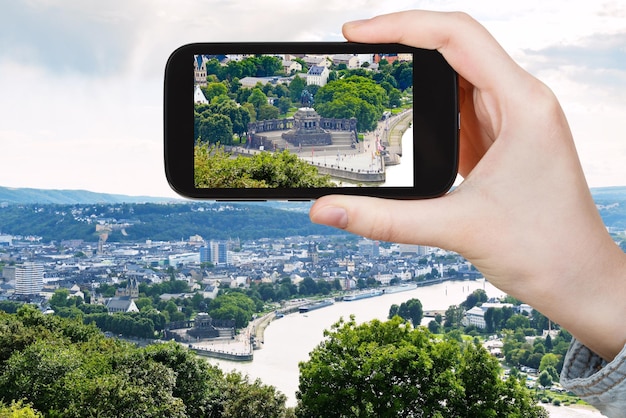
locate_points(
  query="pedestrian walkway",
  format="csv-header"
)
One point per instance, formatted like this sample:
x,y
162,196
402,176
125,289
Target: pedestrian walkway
x,y
367,157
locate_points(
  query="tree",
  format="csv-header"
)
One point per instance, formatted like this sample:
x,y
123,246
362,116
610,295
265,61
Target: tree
x,y
389,369
354,96
454,315
411,310
517,321
212,90
143,303
268,66
214,67
238,115
545,380
59,298
234,306
68,369
257,98
283,104
195,379
18,410
308,287
434,327
215,129
213,168
395,98
403,74
295,88
267,111
251,399
549,360
477,297
393,311
539,321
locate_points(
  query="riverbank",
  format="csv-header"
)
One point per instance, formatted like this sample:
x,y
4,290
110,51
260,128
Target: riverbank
x,y
290,339
258,328
392,136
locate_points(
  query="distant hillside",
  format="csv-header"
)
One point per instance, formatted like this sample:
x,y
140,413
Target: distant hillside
x,y
156,221
602,194
10,195
56,215
611,202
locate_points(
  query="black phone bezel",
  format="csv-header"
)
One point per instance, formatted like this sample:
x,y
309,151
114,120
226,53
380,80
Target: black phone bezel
x,y
435,112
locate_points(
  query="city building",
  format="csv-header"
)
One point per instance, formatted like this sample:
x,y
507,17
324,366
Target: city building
x,y
312,60
76,292
198,96
6,240
351,61
317,75
418,250
131,290
291,66
121,304
369,248
216,253
476,315
199,70
8,273
28,279
183,258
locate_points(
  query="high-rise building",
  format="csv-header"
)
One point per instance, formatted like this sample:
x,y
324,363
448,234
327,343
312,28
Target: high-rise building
x,y
216,252
368,248
205,254
28,279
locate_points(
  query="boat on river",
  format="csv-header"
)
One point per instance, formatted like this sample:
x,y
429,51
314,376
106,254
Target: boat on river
x,y
362,295
399,288
317,305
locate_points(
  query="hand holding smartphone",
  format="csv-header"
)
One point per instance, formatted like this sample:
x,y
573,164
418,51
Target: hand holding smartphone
x,y
295,121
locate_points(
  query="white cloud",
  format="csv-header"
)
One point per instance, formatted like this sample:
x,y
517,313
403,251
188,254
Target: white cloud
x,y
81,82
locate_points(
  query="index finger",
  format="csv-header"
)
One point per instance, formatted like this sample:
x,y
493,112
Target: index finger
x,y
467,46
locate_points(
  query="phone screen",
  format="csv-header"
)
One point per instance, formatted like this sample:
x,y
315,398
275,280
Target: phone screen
x,y
303,120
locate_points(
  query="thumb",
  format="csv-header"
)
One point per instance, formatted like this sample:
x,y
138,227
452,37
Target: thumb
x,y
426,222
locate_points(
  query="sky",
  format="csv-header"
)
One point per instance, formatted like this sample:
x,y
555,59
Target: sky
x,y
81,81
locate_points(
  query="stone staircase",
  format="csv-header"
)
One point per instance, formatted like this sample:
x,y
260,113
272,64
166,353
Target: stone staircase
x,y
226,333
341,142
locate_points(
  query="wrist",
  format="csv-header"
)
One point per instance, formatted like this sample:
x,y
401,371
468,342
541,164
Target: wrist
x,y
589,300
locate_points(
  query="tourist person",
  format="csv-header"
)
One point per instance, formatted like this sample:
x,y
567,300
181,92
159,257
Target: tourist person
x,y
523,215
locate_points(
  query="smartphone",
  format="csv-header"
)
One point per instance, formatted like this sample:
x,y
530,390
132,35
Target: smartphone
x,y
295,121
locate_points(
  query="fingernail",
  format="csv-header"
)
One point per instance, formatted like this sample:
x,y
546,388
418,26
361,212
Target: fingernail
x,y
356,22
331,216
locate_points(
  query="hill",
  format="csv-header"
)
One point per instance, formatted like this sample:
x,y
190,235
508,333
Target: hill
x,y
57,215
611,203
155,221
10,195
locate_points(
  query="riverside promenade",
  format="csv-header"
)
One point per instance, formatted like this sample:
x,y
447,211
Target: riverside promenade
x,y
362,164
238,348
241,347
389,133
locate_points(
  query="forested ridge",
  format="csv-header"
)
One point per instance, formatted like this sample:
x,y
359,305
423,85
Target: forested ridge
x,y
163,222
59,367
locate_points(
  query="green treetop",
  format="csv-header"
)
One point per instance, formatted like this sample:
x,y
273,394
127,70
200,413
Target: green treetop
x,y
389,369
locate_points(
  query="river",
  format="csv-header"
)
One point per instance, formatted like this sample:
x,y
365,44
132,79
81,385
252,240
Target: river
x,y
290,339
398,175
